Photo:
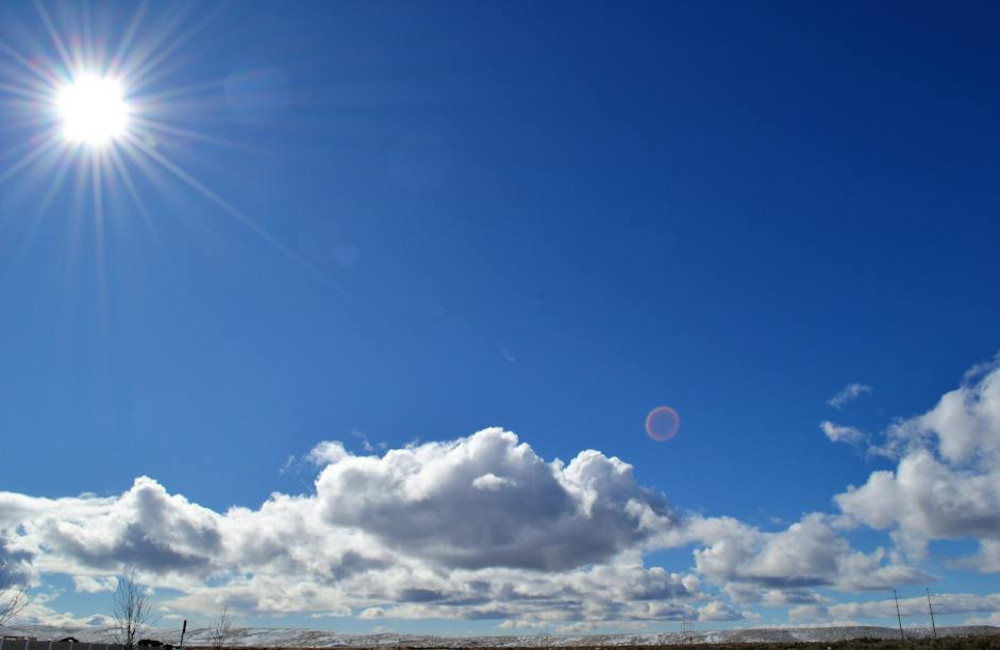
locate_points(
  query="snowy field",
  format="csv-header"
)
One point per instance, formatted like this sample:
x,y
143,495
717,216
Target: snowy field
x,y
262,637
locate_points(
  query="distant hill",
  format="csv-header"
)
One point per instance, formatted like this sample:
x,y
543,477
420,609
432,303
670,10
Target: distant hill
x,y
280,637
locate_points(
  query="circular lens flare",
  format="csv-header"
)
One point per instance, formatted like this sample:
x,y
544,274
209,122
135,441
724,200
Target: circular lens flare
x,y
92,109
662,423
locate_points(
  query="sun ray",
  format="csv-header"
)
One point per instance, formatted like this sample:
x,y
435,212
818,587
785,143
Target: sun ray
x,y
62,167
97,189
33,69
166,129
133,192
25,93
236,214
169,94
37,151
56,39
127,38
152,68
87,47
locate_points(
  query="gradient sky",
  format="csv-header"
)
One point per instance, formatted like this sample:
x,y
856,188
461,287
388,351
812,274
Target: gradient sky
x,y
311,339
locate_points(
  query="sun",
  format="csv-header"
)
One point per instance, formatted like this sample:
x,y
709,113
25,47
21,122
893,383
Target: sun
x,y
110,127
92,109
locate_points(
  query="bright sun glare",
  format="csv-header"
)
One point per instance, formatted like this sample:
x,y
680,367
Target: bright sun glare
x,y
93,110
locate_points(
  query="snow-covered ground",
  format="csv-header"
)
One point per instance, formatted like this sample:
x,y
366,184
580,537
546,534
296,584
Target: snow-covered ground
x,y
266,637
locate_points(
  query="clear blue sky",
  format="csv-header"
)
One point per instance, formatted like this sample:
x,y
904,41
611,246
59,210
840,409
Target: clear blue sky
x,y
392,224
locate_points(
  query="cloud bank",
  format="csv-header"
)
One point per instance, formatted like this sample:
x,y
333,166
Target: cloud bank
x,y
482,527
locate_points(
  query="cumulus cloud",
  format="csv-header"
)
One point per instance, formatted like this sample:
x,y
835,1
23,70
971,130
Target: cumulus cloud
x,y
849,393
39,610
748,593
946,484
718,611
808,554
987,560
483,528
489,500
328,451
476,528
146,526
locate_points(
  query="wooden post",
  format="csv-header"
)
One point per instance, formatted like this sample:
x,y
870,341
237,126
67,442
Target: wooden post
x,y
898,617
929,607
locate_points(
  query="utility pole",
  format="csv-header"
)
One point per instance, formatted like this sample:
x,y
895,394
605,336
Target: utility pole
x,y
183,630
899,618
930,608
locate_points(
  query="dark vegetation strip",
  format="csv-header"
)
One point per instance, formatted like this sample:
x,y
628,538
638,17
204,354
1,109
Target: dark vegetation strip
x,y
977,642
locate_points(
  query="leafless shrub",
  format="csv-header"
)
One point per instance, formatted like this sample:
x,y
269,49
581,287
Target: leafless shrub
x,y
221,632
12,598
131,609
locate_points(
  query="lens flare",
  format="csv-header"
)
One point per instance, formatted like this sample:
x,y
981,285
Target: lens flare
x,y
662,423
93,110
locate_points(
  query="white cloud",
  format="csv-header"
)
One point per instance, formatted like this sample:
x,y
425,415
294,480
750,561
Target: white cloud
x,y
328,452
838,433
912,607
987,560
483,528
38,610
849,393
807,554
947,481
491,482
992,619
424,500
748,593
95,584
718,611
479,527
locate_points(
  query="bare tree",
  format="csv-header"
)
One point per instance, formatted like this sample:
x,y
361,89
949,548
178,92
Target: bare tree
x,y
11,594
221,632
131,609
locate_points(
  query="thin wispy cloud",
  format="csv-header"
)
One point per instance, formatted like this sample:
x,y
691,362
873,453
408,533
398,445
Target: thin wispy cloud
x,y
839,433
849,393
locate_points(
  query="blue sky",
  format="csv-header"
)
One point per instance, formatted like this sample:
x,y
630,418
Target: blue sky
x,y
390,226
